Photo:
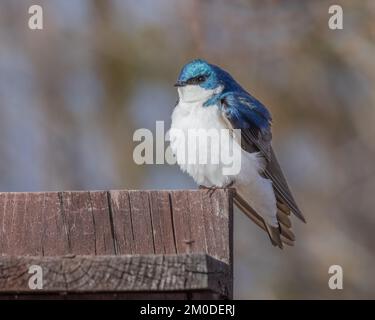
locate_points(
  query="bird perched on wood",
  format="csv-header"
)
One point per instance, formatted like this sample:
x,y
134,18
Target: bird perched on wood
x,y
209,98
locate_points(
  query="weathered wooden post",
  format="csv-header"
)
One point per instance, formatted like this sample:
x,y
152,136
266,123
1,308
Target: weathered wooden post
x,y
116,244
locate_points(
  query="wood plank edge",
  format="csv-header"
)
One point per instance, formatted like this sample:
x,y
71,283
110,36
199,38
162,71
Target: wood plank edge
x,y
116,273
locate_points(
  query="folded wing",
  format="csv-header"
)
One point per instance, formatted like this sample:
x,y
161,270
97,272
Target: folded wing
x,y
242,111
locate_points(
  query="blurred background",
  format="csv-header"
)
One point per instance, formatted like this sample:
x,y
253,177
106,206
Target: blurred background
x,y
72,95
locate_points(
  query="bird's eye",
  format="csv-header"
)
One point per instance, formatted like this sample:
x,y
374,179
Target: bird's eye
x,y
196,80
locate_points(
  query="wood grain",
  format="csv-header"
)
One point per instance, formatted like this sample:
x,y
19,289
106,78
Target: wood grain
x,y
116,223
135,273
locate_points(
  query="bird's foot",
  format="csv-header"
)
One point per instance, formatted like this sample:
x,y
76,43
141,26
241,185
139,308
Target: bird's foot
x,y
211,190
228,185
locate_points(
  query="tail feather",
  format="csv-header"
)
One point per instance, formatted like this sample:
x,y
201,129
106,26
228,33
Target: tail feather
x,y
273,232
287,233
282,207
278,235
287,241
283,219
243,205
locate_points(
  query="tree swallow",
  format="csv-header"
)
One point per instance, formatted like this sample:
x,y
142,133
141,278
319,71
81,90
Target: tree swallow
x,y
209,98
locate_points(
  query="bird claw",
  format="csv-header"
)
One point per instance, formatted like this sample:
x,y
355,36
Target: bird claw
x,y
211,190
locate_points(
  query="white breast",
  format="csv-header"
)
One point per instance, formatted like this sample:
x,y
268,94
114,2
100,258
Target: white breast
x,y
191,114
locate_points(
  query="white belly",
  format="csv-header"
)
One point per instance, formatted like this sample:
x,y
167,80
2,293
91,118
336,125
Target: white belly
x,y
248,182
188,117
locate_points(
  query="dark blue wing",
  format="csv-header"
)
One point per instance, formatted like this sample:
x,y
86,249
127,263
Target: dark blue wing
x,y
242,111
248,114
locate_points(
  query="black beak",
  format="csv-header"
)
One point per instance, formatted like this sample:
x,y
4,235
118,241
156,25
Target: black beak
x,y
180,83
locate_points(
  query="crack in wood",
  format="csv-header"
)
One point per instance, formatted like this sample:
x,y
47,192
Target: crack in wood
x,y
64,219
131,220
110,212
152,223
172,218
93,222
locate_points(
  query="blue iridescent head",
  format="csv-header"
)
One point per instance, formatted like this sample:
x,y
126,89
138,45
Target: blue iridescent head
x,y
204,74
